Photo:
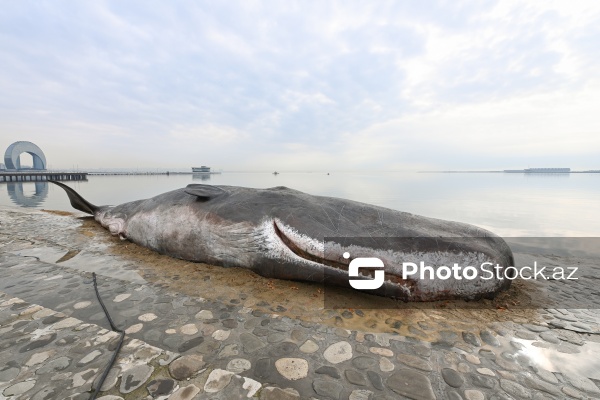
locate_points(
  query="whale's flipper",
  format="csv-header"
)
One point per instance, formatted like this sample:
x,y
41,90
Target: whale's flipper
x,y
78,202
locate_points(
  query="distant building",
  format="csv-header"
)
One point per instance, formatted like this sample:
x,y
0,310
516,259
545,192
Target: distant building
x,y
2,167
548,170
12,156
201,170
541,170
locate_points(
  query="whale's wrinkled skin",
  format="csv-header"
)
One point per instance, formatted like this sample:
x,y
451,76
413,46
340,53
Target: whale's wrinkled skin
x,y
280,232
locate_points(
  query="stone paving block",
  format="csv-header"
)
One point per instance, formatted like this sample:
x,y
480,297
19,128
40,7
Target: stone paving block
x,y
292,368
217,380
338,352
411,384
328,389
186,366
185,393
275,393
135,377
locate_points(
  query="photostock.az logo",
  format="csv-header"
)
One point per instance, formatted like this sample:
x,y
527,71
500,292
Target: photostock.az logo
x,y
365,262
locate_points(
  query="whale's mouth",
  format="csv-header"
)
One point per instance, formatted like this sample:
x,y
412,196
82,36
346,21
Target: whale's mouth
x,y
339,264
305,254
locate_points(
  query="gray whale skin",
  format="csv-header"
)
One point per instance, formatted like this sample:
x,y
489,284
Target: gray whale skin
x,y
286,234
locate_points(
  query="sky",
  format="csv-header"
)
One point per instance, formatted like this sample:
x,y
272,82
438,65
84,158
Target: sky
x,y
303,86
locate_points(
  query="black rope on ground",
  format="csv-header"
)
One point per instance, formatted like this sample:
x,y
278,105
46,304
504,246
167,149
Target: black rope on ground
x,y
115,329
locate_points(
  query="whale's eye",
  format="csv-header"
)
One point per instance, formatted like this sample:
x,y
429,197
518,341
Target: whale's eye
x,y
115,227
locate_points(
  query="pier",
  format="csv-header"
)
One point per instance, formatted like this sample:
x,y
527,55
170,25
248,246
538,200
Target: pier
x,y
40,176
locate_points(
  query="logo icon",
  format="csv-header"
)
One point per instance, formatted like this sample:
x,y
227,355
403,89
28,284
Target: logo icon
x,y
365,262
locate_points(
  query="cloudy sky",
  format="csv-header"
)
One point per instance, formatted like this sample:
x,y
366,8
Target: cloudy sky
x,y
310,85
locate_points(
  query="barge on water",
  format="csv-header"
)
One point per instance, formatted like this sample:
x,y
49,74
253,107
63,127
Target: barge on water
x,y
540,170
203,170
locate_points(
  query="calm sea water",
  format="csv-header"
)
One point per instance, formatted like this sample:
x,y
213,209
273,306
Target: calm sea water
x,y
561,205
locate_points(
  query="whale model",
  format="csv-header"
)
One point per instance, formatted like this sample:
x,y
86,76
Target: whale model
x,y
287,234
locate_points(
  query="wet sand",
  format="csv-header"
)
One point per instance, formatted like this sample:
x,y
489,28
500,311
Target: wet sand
x,y
305,301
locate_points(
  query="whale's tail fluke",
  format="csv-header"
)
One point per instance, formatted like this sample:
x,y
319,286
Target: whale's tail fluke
x,y
78,202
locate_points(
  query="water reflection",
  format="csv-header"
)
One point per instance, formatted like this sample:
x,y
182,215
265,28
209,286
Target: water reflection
x,y
17,194
586,362
201,177
548,175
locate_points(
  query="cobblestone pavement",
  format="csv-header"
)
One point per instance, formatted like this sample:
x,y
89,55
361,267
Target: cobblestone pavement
x,y
55,342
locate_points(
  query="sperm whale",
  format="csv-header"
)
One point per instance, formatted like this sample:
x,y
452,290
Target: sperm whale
x,y
287,234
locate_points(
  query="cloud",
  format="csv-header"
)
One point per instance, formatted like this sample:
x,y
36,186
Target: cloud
x,y
206,134
359,84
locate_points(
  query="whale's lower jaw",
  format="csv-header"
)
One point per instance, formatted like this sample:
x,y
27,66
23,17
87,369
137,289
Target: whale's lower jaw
x,y
335,270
